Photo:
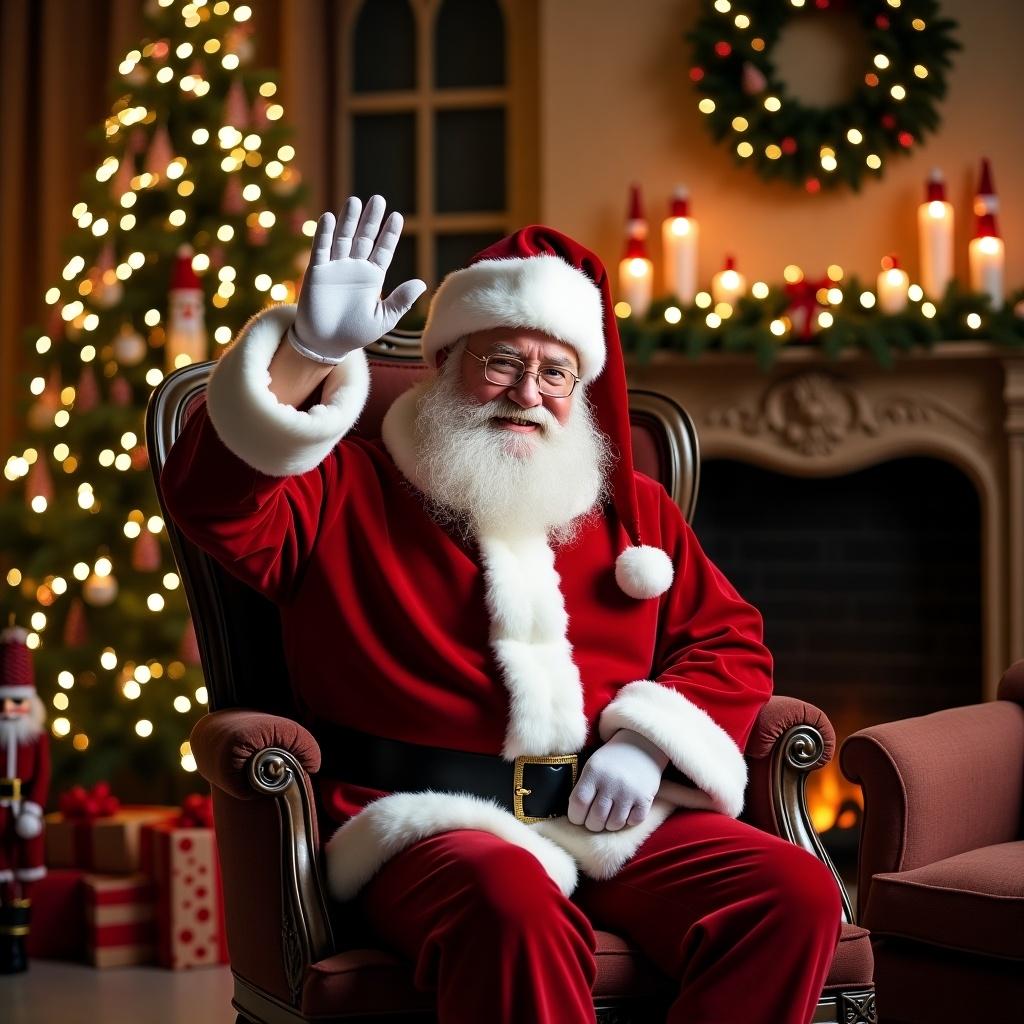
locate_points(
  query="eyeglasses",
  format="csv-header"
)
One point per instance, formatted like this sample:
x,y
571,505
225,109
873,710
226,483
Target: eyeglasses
x,y
507,371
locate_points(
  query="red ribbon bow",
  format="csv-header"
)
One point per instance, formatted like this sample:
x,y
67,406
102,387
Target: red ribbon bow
x,y
804,305
81,804
196,811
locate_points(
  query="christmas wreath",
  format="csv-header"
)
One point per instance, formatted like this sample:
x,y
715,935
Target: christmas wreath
x,y
895,105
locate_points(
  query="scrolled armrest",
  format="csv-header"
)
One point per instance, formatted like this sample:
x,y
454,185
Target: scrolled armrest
x,y
224,743
780,715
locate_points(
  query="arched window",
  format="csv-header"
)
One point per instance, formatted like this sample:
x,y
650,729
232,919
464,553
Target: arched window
x,y
438,106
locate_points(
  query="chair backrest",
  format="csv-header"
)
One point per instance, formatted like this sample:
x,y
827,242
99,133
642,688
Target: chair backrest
x,y
238,630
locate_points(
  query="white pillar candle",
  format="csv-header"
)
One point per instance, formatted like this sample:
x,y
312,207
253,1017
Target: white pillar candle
x,y
679,233
636,282
636,272
987,258
935,238
893,285
728,285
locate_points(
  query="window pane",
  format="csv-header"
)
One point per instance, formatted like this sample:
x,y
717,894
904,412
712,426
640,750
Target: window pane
x,y
455,251
403,267
470,161
469,44
384,47
385,158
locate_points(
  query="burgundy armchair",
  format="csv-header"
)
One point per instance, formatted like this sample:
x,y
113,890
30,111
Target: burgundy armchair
x,y
941,869
296,956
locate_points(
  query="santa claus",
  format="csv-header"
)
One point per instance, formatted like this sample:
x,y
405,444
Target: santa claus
x,y
25,760
531,686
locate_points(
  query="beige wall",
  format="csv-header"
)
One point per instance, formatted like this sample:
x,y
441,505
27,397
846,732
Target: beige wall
x,y
617,106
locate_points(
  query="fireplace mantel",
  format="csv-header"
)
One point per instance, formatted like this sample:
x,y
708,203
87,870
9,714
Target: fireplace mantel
x,y
815,416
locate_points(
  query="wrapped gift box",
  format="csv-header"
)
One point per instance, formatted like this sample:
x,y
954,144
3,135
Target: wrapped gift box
x,y
189,903
111,845
57,928
120,919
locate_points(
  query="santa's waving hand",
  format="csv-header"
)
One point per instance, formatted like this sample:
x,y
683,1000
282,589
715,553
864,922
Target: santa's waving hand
x,y
340,306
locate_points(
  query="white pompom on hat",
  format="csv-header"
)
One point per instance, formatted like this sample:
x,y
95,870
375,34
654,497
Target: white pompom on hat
x,y
540,279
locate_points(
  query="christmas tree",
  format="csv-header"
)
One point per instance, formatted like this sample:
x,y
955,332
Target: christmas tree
x,y
189,225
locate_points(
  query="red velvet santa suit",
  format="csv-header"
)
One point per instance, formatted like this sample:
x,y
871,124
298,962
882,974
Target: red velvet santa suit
x,y
504,646
510,649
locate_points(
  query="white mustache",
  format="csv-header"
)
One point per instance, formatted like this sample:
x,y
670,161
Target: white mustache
x,y
503,408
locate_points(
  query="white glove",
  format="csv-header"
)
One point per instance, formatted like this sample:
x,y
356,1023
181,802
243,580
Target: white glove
x,y
340,308
29,823
618,784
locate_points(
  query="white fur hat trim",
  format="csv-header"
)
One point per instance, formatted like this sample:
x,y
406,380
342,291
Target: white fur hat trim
x,y
541,292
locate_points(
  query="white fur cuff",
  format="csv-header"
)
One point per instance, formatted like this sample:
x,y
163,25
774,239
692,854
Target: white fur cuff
x,y
277,439
697,745
29,807
391,824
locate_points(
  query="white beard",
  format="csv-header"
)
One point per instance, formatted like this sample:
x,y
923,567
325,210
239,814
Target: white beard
x,y
485,481
18,729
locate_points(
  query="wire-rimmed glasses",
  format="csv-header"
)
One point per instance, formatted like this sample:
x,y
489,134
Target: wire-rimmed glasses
x,y
507,371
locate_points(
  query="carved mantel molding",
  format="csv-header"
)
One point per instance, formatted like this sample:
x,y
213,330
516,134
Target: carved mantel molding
x,y
811,416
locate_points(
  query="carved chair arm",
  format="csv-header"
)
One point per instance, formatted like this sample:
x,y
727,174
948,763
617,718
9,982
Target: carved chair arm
x,y
790,739
265,818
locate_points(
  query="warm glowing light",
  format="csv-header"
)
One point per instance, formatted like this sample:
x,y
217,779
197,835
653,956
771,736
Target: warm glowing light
x,y
225,232
623,310
132,690
778,328
639,267
874,161
744,149
80,571
132,530
155,602
171,581
144,727
915,293
973,321
13,577
703,299
275,112
793,274
740,124
881,61
201,695
182,704
759,289
123,462
835,296
154,376
222,335
309,228
825,318
706,105
928,309
867,299
772,104
898,92
61,727
103,566
65,680
59,585
673,314
38,504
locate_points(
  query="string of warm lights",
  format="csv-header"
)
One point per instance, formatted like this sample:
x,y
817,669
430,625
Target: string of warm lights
x,y
745,103
226,178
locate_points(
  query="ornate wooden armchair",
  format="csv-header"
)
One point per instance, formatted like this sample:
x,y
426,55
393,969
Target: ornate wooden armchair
x,y
294,956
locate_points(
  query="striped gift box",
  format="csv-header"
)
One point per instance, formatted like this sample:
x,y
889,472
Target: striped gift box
x,y
120,919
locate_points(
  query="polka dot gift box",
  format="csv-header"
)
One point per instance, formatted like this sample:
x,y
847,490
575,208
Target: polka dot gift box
x,y
189,904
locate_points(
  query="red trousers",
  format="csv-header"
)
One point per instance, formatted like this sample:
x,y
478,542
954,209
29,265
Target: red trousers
x,y
743,921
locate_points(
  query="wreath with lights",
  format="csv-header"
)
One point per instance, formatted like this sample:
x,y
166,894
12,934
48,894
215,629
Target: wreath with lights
x,y
746,104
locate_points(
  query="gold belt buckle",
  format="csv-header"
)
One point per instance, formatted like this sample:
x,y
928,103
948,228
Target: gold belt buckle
x,y
519,790
10,789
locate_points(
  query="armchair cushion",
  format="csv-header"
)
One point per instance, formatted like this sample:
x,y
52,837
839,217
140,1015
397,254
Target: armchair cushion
x,y
853,965
973,902
223,743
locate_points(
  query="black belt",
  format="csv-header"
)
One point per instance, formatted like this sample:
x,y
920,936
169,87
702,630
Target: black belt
x,y
10,789
532,788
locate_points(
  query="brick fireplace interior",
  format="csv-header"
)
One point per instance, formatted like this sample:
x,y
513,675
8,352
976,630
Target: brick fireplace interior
x,y
870,586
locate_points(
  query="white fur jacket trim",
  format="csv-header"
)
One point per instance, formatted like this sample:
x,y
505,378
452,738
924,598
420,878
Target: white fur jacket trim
x,y
695,743
277,439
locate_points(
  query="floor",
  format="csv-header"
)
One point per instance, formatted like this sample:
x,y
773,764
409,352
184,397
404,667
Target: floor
x,y
51,992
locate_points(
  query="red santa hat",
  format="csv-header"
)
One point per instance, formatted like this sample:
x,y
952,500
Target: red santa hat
x,y
17,678
540,279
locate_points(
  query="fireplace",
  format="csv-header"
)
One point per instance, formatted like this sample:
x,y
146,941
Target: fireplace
x,y
875,516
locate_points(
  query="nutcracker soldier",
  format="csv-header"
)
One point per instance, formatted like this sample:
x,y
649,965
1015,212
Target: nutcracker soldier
x,y
24,780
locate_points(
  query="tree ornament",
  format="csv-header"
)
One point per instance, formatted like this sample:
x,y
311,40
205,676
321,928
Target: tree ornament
x,y
236,107
159,154
895,105
140,457
120,392
100,591
130,347
107,289
233,202
76,629
40,482
40,415
87,391
256,234
146,552
121,183
260,121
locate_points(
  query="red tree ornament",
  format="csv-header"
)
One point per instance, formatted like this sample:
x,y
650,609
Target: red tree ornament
x,y
87,393
39,483
76,629
146,553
